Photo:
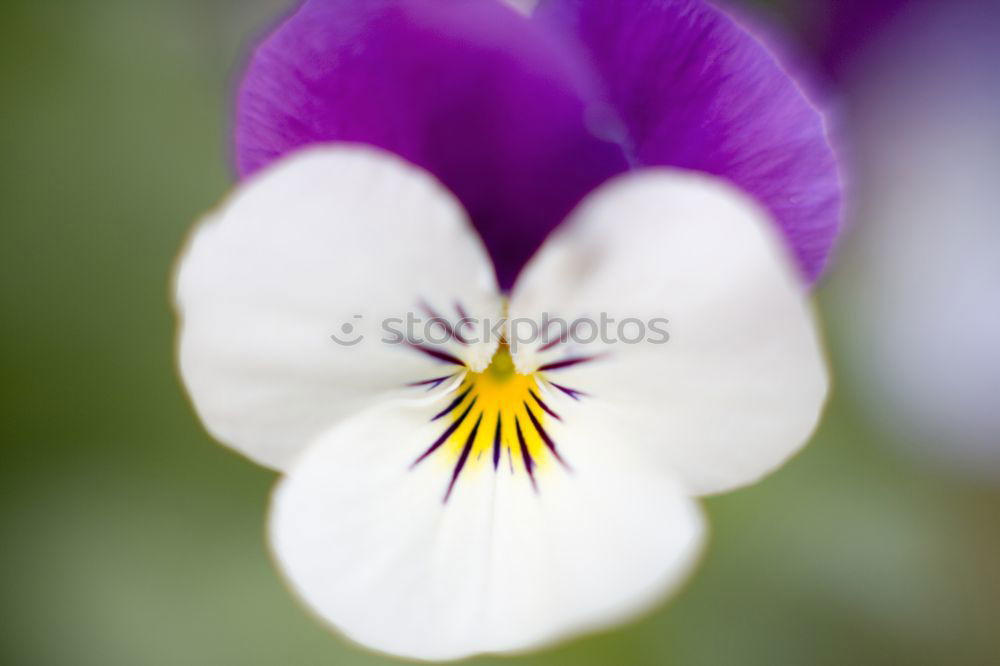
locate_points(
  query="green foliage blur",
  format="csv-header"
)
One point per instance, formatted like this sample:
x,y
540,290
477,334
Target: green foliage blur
x,y
129,538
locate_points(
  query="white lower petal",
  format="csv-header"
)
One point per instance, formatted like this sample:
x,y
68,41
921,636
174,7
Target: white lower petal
x,y
370,544
741,382
331,241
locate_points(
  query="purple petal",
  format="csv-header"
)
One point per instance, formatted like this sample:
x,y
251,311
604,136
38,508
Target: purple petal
x,y
477,94
695,90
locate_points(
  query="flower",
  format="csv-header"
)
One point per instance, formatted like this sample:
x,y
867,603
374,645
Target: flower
x,y
441,499
924,271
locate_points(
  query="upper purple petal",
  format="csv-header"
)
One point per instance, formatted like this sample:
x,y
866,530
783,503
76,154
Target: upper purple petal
x,y
695,90
488,101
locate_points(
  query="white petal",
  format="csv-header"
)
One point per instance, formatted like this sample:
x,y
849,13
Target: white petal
x,y
371,546
332,237
741,383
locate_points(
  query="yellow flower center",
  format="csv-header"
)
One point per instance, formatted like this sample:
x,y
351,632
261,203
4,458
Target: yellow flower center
x,y
496,417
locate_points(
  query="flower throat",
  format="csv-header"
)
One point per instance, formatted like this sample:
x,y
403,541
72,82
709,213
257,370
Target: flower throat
x,y
497,417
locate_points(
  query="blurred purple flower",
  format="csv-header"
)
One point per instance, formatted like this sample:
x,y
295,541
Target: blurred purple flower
x,y
922,275
838,31
522,117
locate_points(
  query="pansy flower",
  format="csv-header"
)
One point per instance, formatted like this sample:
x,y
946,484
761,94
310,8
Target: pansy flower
x,y
607,160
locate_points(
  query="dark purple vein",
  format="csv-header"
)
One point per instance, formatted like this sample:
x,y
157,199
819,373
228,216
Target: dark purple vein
x,y
470,440
566,363
563,337
544,435
549,345
544,406
573,393
431,383
443,323
439,355
496,443
454,403
529,463
446,434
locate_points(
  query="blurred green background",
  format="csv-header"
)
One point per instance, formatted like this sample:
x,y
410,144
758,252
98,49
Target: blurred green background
x,y
129,538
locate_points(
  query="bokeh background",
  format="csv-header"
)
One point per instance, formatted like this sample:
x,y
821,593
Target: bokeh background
x,y
129,538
